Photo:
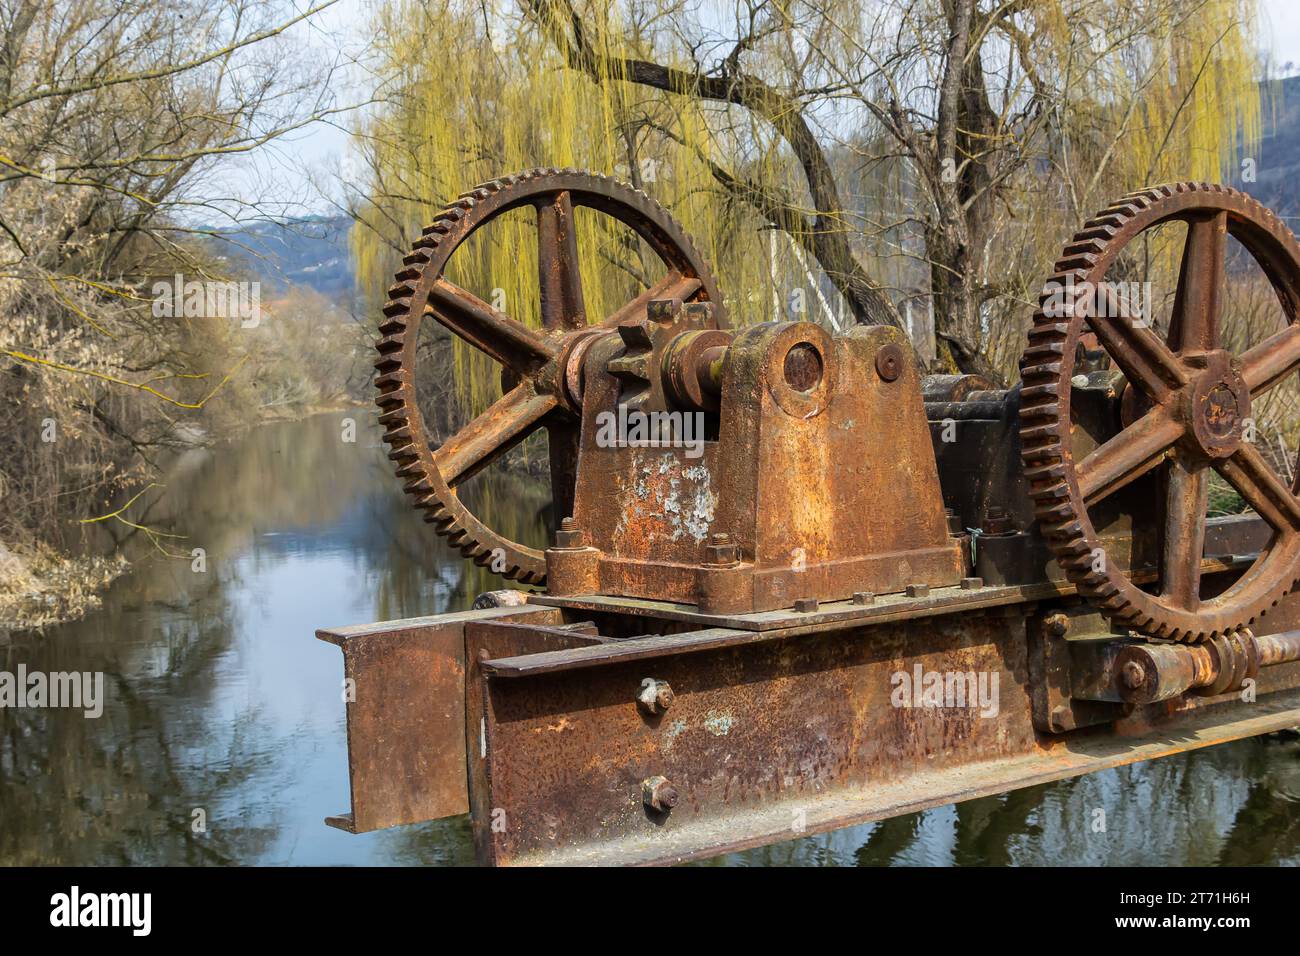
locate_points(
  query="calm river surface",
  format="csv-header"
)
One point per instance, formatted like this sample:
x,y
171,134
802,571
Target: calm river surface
x,y
220,700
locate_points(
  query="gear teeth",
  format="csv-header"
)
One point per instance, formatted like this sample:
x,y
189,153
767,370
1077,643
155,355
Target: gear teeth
x,y
389,381
630,367
635,334
399,436
1045,368
405,308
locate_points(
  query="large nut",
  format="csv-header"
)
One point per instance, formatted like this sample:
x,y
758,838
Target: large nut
x,y
721,551
659,794
656,696
569,537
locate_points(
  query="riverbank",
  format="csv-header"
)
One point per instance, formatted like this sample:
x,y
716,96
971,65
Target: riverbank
x,y
39,588
42,586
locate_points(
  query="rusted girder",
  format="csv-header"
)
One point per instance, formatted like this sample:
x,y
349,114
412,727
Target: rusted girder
x,y
757,736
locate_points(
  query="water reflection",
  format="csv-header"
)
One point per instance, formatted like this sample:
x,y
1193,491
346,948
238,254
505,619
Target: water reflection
x,y
1234,805
220,701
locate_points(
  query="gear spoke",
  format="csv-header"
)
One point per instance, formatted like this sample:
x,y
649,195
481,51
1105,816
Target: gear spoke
x,y
1186,498
1129,455
1267,363
557,264
509,342
507,422
1256,482
532,374
1195,323
672,286
1145,360
1200,399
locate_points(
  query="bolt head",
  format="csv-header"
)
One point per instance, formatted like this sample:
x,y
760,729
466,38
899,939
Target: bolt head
x,y
889,362
569,537
655,697
720,552
1134,674
998,521
658,793
1060,717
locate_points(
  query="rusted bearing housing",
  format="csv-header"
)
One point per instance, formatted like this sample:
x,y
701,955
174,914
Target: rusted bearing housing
x,y
1147,673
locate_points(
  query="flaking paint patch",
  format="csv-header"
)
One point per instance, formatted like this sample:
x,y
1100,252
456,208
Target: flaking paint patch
x,y
671,734
718,724
687,505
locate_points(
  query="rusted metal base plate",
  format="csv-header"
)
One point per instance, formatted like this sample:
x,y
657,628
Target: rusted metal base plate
x,y
921,790
773,735
883,608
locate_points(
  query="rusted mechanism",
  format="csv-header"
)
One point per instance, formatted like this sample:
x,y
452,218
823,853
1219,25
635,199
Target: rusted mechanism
x,y
543,367
794,583
1186,405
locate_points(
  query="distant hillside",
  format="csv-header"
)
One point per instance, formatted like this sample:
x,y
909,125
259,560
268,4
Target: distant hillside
x,y
1277,169
310,252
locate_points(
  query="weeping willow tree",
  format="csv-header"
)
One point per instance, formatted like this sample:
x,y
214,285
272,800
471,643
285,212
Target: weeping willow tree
x,y
475,93
836,160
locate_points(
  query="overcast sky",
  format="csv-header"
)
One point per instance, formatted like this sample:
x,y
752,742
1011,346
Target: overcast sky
x,y
1281,26
304,169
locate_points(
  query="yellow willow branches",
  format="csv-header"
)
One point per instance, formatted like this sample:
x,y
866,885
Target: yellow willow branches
x,y
155,536
141,386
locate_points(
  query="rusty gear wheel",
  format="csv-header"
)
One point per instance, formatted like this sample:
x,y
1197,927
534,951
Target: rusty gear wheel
x,y
541,368
1193,401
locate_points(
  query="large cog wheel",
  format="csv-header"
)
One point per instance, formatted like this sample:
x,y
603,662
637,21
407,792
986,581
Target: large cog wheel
x,y
541,367
1193,400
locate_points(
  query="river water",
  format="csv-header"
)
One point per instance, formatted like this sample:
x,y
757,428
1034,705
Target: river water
x,y
222,734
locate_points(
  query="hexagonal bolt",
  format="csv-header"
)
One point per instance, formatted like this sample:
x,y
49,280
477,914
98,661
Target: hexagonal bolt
x,y
721,552
805,605
569,536
972,584
659,794
998,521
1056,624
1133,674
917,590
655,697
1062,717
863,597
